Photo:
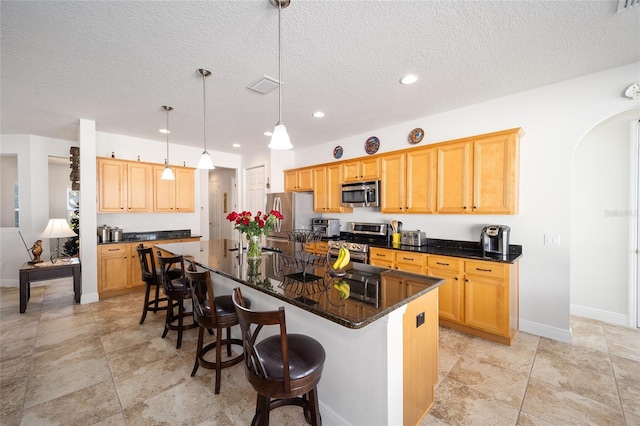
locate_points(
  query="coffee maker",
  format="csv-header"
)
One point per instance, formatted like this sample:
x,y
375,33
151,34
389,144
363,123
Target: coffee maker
x,y
495,240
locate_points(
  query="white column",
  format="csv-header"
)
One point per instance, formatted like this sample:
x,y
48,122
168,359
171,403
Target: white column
x,y
88,219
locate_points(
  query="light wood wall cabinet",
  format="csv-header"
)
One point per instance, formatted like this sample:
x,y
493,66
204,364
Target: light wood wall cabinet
x,y
174,196
135,187
298,180
409,182
479,175
360,170
123,186
327,189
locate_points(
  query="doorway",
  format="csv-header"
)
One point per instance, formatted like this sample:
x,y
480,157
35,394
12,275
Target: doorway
x,y
222,201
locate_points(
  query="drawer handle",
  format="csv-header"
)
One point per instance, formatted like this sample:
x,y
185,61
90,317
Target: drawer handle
x,y
114,249
379,254
440,263
483,270
407,258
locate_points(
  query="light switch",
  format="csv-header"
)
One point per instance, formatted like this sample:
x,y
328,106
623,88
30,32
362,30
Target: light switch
x,y
550,239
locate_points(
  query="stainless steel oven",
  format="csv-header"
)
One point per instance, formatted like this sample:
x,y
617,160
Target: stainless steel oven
x,y
359,252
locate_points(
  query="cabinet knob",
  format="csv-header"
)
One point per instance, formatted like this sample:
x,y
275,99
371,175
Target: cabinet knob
x,y
474,207
464,207
456,278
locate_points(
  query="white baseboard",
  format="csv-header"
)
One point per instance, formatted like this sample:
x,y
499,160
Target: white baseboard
x,y
330,417
9,282
543,330
600,315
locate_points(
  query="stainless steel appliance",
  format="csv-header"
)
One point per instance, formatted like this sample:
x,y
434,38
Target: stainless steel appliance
x,y
297,209
327,227
364,284
495,240
357,240
361,194
413,238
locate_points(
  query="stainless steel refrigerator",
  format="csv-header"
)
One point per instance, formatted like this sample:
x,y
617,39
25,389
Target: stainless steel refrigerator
x,y
297,209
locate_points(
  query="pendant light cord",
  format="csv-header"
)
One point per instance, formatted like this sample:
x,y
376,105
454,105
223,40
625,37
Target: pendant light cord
x,y
167,136
279,63
204,111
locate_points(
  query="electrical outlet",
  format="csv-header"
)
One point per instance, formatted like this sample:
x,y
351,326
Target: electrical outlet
x,y
550,239
419,319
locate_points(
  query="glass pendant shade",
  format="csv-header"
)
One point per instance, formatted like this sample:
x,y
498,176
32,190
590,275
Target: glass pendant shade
x,y
280,138
205,161
167,174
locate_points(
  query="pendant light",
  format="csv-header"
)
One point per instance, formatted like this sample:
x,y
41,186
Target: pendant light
x,y
205,160
167,174
280,138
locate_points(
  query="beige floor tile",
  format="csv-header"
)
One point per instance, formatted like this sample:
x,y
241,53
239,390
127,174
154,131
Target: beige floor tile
x,y
454,341
13,390
122,339
135,386
631,419
623,341
527,419
83,407
115,420
10,418
184,404
52,384
517,357
68,336
446,361
496,382
138,356
67,356
22,349
559,406
458,404
218,419
630,396
578,356
588,333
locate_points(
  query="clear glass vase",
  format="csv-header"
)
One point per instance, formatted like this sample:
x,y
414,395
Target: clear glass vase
x,y
254,251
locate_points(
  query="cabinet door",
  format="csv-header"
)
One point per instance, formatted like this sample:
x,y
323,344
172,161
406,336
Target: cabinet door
x,y
334,189
164,192
450,295
139,185
486,304
495,169
392,290
305,180
393,183
114,268
370,168
290,181
351,171
454,178
320,189
420,188
112,192
184,190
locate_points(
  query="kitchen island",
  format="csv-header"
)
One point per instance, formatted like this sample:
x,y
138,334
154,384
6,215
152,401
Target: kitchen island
x,y
381,365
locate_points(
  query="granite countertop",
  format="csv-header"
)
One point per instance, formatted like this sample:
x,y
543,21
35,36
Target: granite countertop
x,y
454,248
278,274
132,237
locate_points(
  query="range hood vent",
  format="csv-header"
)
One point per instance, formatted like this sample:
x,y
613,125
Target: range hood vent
x,y
265,85
626,4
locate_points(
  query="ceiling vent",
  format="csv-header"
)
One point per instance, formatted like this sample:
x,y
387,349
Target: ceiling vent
x,y
627,4
265,85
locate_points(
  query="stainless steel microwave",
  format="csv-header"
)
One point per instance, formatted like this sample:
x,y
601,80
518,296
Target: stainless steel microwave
x,y
361,194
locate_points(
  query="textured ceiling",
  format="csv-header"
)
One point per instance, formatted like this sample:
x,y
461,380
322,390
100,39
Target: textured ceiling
x,y
118,62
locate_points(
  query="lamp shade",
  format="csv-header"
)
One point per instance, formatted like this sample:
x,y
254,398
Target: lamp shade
x,y
57,228
205,161
167,174
280,138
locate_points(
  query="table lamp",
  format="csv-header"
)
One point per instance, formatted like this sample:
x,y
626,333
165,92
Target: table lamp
x,y
57,228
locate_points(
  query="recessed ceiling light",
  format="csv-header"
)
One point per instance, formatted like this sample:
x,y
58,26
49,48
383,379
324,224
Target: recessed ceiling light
x,y
409,79
268,134
236,145
318,114
164,131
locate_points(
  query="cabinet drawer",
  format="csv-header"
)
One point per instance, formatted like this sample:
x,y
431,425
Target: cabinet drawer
x,y
381,254
113,249
322,246
485,269
444,263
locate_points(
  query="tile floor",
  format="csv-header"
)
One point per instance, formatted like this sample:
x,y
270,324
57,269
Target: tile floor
x,y
68,364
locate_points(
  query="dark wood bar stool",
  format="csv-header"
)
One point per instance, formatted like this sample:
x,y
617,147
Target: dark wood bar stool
x,y
284,369
176,290
153,281
221,318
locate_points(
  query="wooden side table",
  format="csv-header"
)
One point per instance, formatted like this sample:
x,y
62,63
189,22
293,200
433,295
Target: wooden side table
x,y
48,271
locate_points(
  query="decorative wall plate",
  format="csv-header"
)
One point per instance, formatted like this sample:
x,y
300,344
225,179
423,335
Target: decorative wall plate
x,y
337,152
416,135
372,145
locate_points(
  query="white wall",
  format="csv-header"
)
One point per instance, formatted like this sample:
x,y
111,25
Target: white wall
x,y
8,178
554,119
600,221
